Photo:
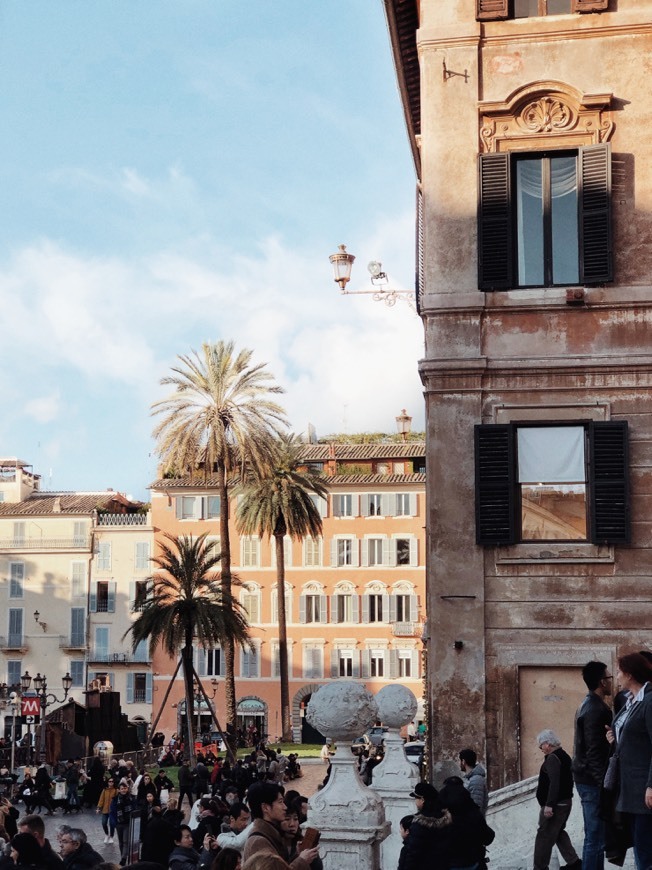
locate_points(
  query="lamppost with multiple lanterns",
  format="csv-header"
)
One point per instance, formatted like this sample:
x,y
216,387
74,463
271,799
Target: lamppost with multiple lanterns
x,y
45,699
342,263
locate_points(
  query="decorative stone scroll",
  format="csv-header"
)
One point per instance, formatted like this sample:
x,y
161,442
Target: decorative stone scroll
x,y
545,114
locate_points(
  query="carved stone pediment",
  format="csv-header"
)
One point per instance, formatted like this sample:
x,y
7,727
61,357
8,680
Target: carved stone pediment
x,y
546,114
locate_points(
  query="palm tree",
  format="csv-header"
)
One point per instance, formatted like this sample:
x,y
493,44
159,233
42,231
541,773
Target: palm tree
x,y
279,502
185,601
219,418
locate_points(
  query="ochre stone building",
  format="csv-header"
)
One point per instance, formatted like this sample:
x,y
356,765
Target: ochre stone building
x,y
354,597
530,129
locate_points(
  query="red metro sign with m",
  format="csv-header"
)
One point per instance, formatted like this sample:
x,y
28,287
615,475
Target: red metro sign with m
x,y
30,706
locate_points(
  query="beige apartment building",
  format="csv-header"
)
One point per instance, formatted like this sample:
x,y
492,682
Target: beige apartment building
x,y
355,598
72,565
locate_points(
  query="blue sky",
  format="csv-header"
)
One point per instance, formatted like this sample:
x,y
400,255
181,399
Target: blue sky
x,y
178,172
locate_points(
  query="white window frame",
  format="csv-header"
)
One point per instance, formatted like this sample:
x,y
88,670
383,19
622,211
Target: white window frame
x,y
15,637
142,556
319,606
345,505
77,578
413,554
103,558
208,657
250,598
77,681
16,580
313,552
406,504
345,604
376,591
250,551
250,663
312,665
344,551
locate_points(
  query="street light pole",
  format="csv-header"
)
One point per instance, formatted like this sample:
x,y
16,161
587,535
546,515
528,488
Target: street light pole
x,y
41,686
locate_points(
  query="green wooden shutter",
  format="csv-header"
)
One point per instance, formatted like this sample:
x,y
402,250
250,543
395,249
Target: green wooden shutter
x,y
596,243
494,223
495,485
609,482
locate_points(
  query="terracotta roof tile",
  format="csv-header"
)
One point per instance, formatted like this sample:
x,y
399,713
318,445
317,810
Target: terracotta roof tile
x,y
54,503
385,479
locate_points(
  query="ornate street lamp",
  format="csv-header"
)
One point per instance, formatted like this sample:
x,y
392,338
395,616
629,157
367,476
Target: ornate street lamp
x,y
404,424
342,263
46,698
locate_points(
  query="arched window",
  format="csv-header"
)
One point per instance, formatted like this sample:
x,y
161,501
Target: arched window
x,y
312,604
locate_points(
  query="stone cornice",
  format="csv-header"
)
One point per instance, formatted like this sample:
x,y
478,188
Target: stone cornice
x,y
516,375
584,32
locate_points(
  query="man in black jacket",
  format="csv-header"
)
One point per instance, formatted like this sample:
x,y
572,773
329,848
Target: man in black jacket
x,y
590,759
76,852
555,797
35,826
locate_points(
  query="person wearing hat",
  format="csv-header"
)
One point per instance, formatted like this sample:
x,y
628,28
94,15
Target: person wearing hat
x,y
428,841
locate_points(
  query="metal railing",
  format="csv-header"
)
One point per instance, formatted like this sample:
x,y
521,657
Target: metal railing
x,y
118,658
123,520
14,641
78,542
67,642
407,629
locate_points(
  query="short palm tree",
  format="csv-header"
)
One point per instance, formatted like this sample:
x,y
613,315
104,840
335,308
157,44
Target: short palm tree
x,y
277,502
219,418
186,603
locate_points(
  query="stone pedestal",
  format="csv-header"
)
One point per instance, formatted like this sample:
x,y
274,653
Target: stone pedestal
x,y
395,777
349,815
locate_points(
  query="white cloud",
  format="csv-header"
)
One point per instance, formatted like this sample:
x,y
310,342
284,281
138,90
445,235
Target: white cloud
x,y
101,332
44,409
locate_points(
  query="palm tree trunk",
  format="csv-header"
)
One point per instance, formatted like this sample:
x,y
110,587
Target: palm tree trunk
x,y
186,661
225,580
286,721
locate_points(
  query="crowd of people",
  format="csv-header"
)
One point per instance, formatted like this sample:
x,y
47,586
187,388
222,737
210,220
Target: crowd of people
x,y
220,804
240,817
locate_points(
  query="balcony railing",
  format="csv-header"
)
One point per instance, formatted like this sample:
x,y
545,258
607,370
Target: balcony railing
x,y
78,542
123,520
13,642
407,629
118,658
72,642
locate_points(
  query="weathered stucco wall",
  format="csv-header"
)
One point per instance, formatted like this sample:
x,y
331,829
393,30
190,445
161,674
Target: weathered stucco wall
x,y
511,607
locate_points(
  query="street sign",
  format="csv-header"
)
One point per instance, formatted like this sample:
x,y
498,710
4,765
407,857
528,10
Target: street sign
x,y
29,720
30,705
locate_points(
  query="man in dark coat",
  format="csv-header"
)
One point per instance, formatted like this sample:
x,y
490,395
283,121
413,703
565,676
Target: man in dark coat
x,y
186,780
590,759
35,826
76,852
555,797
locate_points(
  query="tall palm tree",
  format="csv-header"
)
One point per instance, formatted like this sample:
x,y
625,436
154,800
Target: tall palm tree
x,y
279,502
219,418
185,601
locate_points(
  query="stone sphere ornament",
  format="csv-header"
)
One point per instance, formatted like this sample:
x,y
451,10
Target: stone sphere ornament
x,y
343,710
396,705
